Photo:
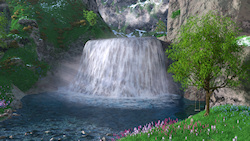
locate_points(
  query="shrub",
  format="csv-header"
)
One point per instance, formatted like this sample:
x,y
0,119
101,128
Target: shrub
x,y
175,13
6,97
13,44
27,28
14,31
90,16
161,26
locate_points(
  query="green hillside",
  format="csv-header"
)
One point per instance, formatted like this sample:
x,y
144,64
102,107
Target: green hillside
x,y
59,24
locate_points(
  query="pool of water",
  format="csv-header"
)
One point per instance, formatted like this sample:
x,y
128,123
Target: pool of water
x,y
63,116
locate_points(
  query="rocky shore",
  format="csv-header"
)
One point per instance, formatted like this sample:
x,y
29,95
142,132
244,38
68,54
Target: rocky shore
x,y
8,113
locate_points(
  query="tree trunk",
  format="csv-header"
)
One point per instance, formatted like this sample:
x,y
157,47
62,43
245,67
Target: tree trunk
x,y
207,103
208,94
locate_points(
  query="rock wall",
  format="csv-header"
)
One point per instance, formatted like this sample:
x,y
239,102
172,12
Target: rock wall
x,y
141,15
238,10
91,4
18,95
5,8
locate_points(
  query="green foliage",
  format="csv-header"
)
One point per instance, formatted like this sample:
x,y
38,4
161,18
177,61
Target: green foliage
x,y
175,13
3,34
154,15
131,9
205,49
148,7
104,3
240,37
160,26
123,29
117,9
224,123
141,8
5,90
90,16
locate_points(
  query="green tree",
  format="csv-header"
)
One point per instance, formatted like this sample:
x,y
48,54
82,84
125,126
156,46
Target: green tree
x,y
90,16
160,26
204,50
3,34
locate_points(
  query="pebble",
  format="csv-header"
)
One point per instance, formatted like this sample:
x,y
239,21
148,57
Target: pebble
x,y
2,137
46,132
8,113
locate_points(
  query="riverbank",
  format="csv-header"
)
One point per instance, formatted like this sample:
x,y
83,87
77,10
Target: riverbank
x,y
225,122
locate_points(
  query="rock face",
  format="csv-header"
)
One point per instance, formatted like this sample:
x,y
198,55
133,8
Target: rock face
x,y
238,10
91,4
5,8
43,50
133,14
64,68
229,96
239,96
173,87
18,95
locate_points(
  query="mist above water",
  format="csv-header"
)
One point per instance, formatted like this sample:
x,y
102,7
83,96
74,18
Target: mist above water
x,y
121,73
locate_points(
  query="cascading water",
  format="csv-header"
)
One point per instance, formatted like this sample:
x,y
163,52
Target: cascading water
x,y
122,67
121,83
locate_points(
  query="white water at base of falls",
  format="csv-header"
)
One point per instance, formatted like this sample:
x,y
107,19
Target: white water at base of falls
x,y
122,67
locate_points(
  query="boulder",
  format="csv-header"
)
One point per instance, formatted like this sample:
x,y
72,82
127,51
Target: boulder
x,y
28,22
229,96
236,9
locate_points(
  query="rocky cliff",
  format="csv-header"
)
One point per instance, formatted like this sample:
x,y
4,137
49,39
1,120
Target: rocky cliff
x,y
239,11
133,14
91,4
144,14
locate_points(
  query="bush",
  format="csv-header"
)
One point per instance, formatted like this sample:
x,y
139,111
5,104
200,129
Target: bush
x,y
6,97
175,13
161,26
90,16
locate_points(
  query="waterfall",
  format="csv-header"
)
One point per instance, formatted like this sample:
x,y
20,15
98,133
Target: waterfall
x,y
122,67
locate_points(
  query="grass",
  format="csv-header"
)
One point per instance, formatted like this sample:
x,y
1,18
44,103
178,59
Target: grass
x,y
225,122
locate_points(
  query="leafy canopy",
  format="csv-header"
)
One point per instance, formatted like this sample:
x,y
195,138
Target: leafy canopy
x,y
205,49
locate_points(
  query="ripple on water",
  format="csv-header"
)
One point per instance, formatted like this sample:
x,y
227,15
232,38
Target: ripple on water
x,y
65,117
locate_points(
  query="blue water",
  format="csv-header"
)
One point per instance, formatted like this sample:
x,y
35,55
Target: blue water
x,y
66,115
